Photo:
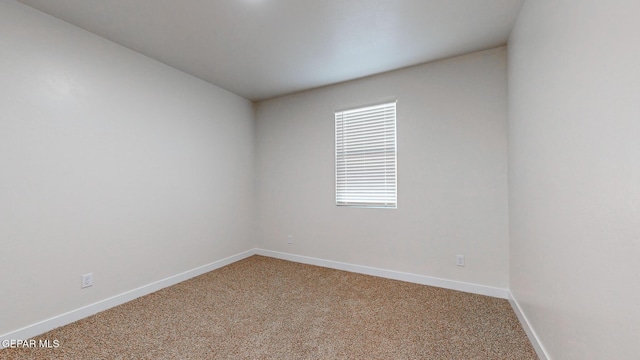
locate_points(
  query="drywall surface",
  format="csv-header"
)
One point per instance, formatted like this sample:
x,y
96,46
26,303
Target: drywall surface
x,y
452,173
574,175
111,163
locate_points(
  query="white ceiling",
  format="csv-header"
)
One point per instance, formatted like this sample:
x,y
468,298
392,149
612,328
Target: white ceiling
x,y
261,49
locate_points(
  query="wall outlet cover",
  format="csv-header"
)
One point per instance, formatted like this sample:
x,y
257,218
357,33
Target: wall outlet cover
x,y
87,280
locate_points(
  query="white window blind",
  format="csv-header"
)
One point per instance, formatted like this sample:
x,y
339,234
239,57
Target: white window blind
x,y
366,156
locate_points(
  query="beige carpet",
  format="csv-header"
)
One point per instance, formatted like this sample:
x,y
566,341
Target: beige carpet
x,y
263,308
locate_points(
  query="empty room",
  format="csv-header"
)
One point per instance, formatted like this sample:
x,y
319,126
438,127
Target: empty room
x,y
336,179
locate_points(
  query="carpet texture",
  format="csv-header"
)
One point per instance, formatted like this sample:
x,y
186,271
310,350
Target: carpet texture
x,y
264,308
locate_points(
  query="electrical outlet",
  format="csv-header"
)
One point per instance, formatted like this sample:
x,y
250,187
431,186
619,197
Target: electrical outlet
x,y
460,260
87,280
289,239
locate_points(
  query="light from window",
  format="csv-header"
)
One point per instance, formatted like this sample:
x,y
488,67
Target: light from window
x,y
366,157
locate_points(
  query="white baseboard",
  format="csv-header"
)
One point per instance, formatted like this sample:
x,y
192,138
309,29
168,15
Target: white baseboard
x,y
85,311
531,334
91,309
390,274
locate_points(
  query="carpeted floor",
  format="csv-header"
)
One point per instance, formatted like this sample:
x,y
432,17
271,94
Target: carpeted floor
x,y
264,308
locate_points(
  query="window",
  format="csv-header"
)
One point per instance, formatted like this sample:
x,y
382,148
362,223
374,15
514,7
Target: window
x,y
366,156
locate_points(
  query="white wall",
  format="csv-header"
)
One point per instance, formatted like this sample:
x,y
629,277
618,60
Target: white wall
x,y
574,175
452,173
110,163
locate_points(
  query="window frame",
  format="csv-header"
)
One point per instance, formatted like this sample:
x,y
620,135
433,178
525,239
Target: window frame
x,y
380,181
